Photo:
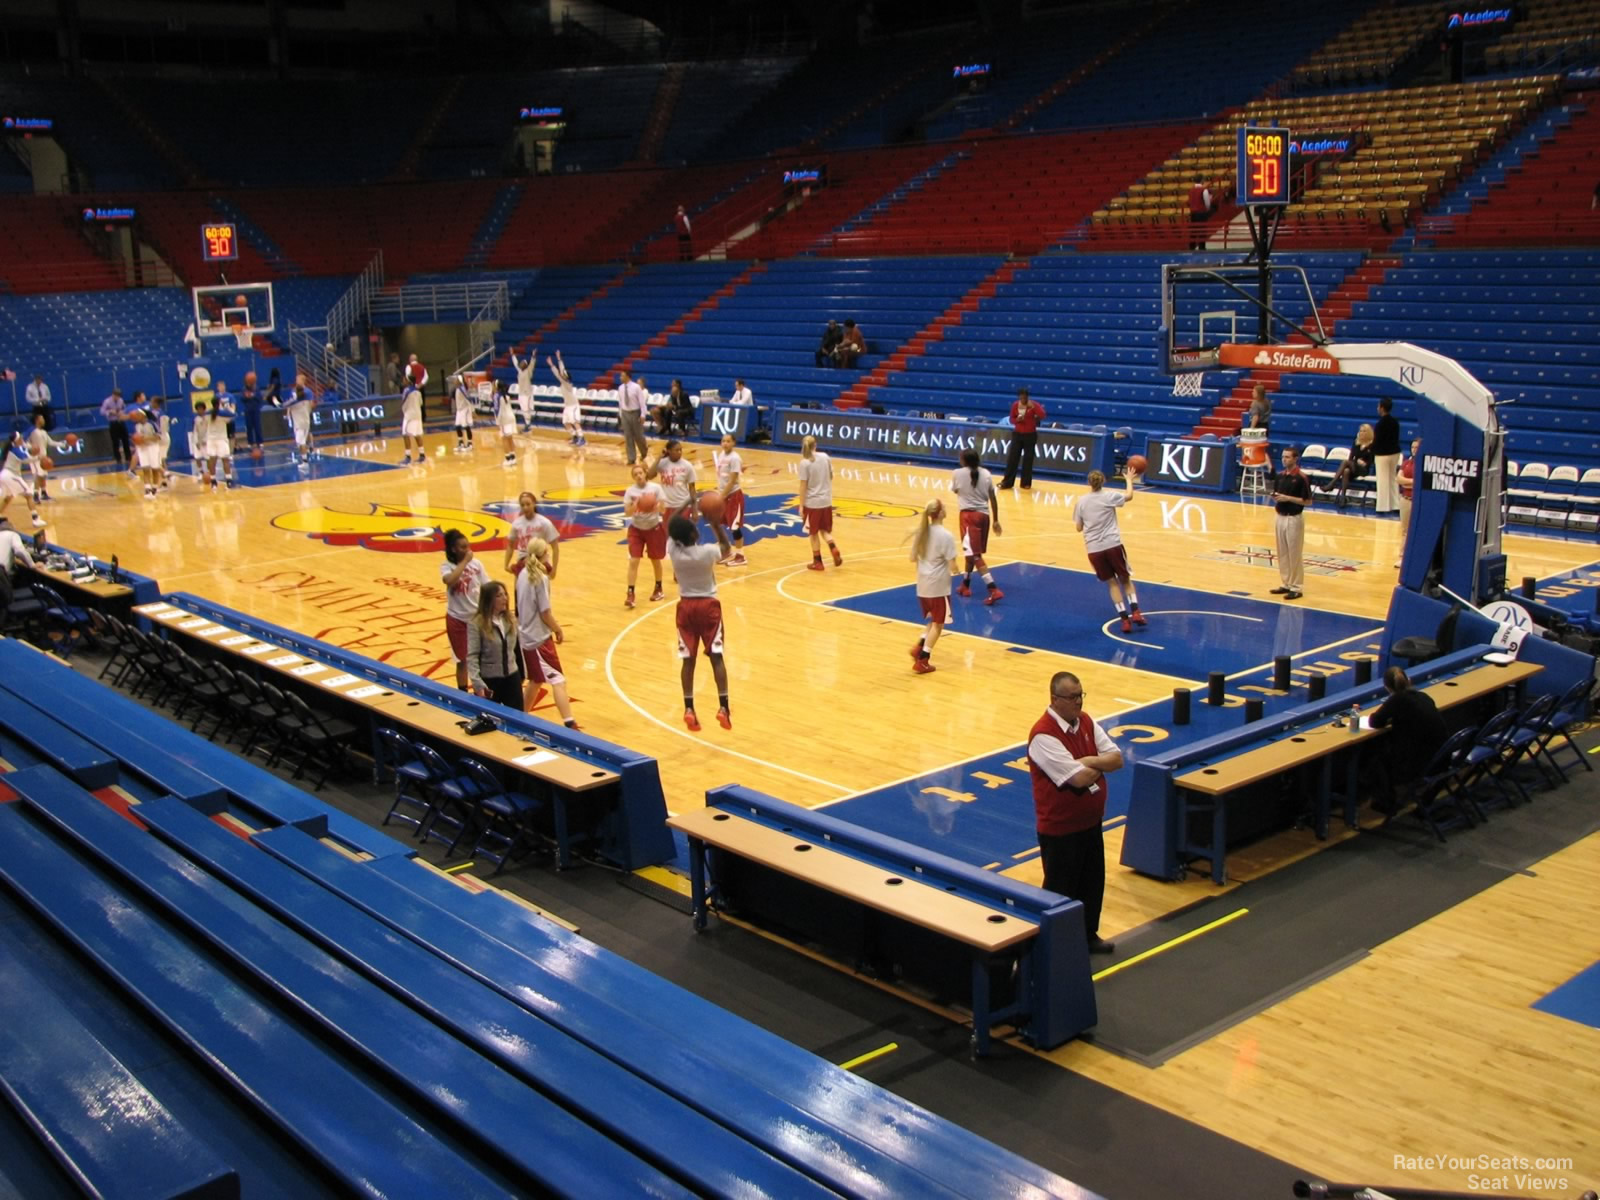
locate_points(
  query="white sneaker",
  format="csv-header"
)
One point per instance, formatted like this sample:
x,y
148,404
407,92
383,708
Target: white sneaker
x,y
38,521
511,460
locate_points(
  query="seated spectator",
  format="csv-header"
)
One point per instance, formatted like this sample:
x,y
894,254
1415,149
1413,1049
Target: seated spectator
x,y
1418,733
1358,464
831,337
681,408
851,347
675,412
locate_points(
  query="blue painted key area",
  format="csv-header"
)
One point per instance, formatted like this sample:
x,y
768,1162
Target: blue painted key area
x,y
1191,633
1578,999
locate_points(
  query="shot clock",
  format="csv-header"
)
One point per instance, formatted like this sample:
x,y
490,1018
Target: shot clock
x,y
219,242
1263,165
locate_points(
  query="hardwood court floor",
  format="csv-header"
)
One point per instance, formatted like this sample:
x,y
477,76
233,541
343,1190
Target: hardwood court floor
x,y
1428,1046
824,703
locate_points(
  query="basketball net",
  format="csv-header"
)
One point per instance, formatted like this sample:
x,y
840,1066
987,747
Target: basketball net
x,y
1189,383
241,336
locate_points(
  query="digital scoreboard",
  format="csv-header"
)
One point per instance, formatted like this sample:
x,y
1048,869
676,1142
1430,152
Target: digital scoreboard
x,y
1263,172
219,242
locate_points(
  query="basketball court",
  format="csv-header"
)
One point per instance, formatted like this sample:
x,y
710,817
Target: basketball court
x,y
826,710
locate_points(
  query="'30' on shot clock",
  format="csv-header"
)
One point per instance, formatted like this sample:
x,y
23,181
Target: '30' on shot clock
x,y
219,241
1263,176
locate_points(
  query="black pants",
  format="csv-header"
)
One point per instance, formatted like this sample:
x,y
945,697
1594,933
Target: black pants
x,y
121,443
505,689
1021,450
1075,867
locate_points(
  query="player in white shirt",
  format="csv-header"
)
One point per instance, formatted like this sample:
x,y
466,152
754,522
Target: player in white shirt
x,y
647,528
461,398
816,501
934,552
571,410
161,422
540,633
411,424
1096,518
505,416
524,368
677,476
977,500
463,577
527,525
211,435
730,482
40,444
147,452
699,611
298,408
12,456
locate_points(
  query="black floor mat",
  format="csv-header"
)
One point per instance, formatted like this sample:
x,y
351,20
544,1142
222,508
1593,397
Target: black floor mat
x,y
1315,918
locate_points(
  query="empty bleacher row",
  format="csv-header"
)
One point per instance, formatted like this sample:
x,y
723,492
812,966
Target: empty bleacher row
x,y
277,999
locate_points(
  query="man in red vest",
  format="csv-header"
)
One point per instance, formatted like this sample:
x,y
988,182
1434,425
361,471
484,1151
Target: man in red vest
x,y
1068,758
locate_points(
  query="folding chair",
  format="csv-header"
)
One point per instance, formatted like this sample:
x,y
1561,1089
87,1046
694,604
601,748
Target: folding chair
x,y
1436,793
284,727
324,739
504,817
1572,709
1491,753
394,752
452,797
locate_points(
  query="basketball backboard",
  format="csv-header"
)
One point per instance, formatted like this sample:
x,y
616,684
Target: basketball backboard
x,y
226,309
1205,307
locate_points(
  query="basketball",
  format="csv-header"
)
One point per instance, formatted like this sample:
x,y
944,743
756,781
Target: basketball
x,y
1137,464
249,379
711,506
645,503
241,301
71,440
49,464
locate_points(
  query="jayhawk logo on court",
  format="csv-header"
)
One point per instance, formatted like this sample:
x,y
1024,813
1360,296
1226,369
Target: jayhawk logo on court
x,y
580,512
396,528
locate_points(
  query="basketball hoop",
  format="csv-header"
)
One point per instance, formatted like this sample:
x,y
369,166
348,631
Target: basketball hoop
x,y
242,336
1189,383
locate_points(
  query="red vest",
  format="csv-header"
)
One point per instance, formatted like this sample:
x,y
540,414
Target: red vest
x,y
1066,809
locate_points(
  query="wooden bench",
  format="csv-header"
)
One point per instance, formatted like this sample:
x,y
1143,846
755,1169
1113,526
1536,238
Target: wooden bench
x,y
866,895
63,1082
831,1124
